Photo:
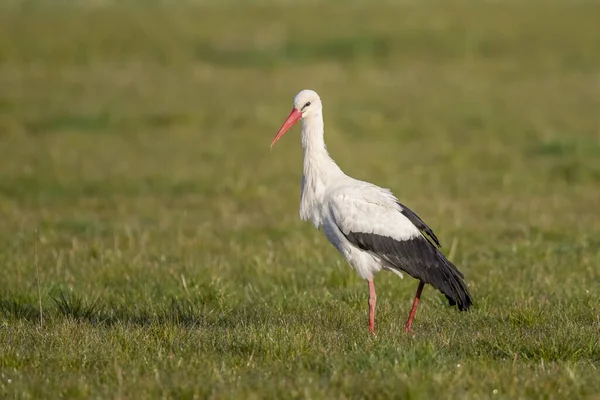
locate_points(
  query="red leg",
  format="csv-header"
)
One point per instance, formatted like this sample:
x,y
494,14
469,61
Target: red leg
x,y
372,303
411,316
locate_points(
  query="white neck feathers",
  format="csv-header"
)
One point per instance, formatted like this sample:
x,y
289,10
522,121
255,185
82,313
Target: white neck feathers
x,y
319,172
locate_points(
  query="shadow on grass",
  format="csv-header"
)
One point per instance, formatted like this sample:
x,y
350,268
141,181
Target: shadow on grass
x,y
103,122
71,122
571,160
181,312
546,346
339,49
522,335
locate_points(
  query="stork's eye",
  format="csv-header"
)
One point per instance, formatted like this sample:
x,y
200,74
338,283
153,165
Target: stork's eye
x,y
306,105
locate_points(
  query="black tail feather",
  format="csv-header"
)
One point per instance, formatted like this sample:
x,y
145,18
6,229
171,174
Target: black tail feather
x,y
452,284
420,259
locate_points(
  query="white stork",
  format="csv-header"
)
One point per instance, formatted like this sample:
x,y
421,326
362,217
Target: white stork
x,y
366,223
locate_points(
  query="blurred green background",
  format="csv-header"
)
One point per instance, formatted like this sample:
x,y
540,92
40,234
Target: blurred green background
x,y
150,243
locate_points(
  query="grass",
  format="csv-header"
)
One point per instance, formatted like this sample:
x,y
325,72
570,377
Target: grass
x,y
150,243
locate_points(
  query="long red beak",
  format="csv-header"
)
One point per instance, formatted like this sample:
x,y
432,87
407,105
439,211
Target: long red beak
x,y
291,120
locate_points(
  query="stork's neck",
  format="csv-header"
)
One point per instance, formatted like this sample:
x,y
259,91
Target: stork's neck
x,y
317,161
320,171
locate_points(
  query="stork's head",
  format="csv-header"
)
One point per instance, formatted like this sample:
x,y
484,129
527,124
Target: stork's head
x,y
306,104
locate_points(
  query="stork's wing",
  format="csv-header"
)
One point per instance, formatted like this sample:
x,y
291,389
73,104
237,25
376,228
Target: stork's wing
x,y
371,212
376,210
374,221
418,222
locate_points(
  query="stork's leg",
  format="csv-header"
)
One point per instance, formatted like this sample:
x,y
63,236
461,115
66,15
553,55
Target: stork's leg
x,y
372,303
411,316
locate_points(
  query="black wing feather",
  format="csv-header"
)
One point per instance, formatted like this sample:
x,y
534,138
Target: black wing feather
x,y
418,257
419,223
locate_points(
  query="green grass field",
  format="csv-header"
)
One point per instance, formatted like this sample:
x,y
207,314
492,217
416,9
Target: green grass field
x,y
150,243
